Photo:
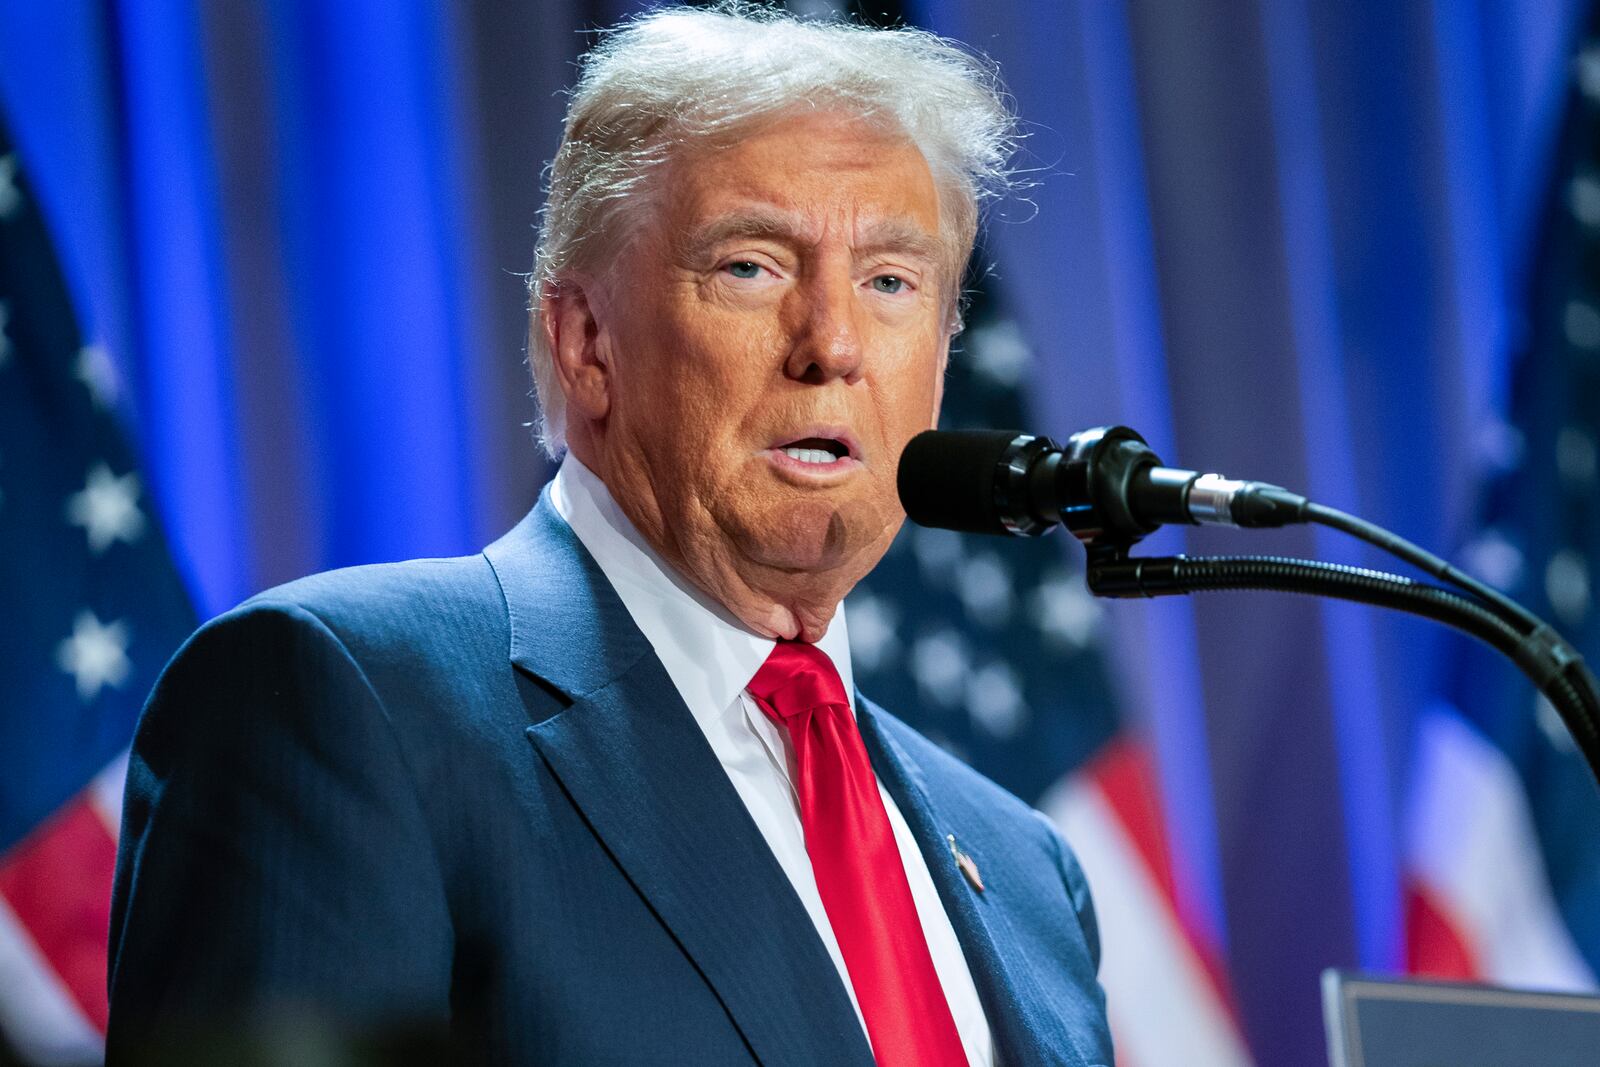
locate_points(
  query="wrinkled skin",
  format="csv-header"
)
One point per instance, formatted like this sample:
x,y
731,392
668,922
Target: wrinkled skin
x,y
793,285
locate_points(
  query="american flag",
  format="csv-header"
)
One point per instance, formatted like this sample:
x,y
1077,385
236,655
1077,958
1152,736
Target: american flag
x,y
93,609
993,647
1504,835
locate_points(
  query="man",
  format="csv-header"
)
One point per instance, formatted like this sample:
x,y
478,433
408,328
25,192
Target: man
x,y
604,793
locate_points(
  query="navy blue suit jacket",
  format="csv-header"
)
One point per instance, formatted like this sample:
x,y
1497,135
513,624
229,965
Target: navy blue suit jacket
x,y
467,791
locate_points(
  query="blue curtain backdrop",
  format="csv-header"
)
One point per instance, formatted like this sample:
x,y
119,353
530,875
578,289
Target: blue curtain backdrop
x,y
1287,240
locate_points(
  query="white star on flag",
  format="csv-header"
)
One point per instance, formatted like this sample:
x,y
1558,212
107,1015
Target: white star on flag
x,y
106,508
872,630
10,195
1000,353
96,655
1589,72
1490,557
94,369
1566,585
984,587
939,664
994,700
937,552
1065,610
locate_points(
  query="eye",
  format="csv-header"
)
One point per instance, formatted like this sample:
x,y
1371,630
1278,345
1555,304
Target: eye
x,y
743,269
888,283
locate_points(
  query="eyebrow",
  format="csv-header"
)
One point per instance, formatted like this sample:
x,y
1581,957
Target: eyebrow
x,y
892,234
751,222
902,235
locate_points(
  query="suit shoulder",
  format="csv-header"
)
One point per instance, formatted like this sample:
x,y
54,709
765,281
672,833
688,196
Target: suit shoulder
x,y
411,619
376,604
424,642
415,587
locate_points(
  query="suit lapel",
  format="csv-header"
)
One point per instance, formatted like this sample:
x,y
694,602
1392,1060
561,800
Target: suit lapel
x,y
631,757
1025,1030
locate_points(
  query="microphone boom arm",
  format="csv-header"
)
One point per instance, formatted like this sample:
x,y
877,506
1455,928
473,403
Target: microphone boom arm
x,y
1540,653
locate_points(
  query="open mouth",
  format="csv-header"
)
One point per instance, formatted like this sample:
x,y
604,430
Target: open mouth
x,y
819,451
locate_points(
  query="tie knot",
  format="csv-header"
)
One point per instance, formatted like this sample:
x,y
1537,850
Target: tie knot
x,y
797,677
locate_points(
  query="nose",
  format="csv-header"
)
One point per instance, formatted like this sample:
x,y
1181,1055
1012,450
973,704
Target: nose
x,y
828,333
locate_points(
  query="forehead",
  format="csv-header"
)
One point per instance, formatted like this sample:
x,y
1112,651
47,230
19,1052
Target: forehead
x,y
813,173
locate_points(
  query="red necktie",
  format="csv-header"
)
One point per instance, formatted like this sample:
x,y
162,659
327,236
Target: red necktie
x,y
857,863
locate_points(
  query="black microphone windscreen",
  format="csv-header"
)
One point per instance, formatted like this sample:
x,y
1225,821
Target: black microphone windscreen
x,y
947,479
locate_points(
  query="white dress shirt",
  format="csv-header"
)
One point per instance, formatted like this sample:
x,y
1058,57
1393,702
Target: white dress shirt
x,y
711,657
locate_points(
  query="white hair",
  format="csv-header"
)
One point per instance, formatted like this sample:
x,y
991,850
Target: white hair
x,y
683,76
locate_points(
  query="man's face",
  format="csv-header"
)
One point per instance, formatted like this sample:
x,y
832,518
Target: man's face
x,y
774,337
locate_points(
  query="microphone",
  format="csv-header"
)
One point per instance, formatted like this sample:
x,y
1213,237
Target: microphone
x,y
1106,485
1110,490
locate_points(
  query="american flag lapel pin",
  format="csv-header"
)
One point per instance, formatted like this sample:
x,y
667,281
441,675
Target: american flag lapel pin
x,y
964,864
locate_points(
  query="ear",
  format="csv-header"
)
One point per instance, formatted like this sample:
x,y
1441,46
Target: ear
x,y
567,313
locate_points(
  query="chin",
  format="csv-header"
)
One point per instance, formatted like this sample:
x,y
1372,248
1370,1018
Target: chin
x,y
816,537
808,536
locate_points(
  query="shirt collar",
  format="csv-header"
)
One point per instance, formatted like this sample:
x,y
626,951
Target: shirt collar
x,y
709,655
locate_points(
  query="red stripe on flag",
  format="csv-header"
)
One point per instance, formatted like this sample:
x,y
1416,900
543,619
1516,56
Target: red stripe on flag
x,y
1435,947
58,882
1122,772
1125,776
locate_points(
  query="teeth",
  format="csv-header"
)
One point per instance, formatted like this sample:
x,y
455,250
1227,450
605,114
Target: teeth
x,y
809,455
